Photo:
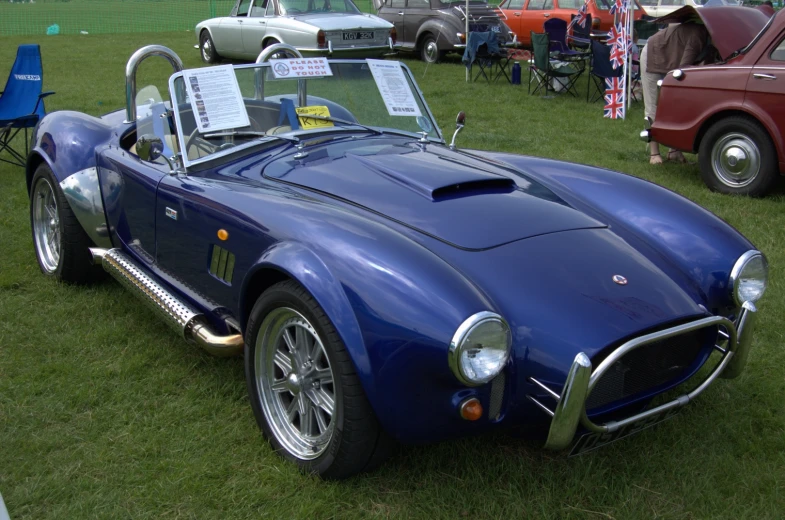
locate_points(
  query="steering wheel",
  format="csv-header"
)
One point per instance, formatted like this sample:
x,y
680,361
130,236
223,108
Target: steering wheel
x,y
207,147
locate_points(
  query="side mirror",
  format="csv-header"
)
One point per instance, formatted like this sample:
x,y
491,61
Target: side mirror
x,y
460,121
150,147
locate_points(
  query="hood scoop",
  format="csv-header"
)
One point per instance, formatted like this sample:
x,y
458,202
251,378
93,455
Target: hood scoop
x,y
438,183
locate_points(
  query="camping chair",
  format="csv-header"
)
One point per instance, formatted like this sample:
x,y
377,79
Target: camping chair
x,y
635,78
557,33
22,102
483,49
600,70
544,71
580,38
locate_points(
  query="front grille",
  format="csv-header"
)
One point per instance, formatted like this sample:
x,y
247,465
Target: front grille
x,y
497,396
649,366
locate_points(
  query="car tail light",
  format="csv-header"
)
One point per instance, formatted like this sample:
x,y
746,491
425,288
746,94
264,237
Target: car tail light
x,y
595,23
462,37
394,35
321,40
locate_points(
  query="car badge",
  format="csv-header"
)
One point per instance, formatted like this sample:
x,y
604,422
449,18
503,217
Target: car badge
x,y
172,214
619,279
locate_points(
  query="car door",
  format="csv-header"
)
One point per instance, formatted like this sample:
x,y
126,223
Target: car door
x,y
533,18
230,32
417,12
766,87
512,9
254,29
394,11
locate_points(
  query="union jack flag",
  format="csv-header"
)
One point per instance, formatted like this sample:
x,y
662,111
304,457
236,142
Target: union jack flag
x,y
614,98
617,57
579,18
618,6
616,36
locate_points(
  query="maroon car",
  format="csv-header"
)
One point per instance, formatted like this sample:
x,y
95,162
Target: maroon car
x,y
731,113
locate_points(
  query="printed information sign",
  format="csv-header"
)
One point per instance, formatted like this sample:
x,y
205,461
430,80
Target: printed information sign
x,y
215,98
395,90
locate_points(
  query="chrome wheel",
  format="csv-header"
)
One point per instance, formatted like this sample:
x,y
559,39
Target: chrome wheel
x,y
295,383
736,160
207,49
430,51
46,225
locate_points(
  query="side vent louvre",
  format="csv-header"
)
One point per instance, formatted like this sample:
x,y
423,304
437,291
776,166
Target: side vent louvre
x,y
222,264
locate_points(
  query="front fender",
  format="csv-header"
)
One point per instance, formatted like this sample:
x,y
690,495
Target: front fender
x,y
66,141
693,246
445,31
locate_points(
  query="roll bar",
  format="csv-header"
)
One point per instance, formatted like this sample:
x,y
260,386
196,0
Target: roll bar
x,y
265,55
130,73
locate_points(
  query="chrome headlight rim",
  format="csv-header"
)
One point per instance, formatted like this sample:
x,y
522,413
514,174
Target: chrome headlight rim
x,y
463,331
738,268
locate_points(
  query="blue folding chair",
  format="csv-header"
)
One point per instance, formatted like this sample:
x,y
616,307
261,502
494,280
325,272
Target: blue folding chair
x,y
601,69
22,102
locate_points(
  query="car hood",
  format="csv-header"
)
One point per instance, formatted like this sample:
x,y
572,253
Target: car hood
x,y
463,201
338,21
731,27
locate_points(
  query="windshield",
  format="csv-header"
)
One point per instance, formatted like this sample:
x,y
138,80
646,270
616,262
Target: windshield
x,y
462,2
239,107
294,7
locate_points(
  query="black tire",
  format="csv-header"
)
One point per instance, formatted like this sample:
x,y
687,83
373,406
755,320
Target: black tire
x,y
207,48
73,262
727,141
357,442
427,52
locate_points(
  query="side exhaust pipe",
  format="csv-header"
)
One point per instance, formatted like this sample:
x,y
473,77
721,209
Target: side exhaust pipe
x,y
192,325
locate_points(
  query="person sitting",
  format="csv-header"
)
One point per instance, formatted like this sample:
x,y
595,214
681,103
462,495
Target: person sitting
x,y
677,46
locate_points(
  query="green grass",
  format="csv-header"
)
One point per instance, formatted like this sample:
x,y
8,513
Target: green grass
x,y
104,413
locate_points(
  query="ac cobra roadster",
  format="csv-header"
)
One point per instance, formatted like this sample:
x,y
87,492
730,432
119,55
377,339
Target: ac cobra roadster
x,y
385,286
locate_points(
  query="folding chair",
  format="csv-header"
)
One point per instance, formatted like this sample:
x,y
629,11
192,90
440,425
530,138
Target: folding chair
x,y
482,49
542,70
557,33
22,102
599,70
580,37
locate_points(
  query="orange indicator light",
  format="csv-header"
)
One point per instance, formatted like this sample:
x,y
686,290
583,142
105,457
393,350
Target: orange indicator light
x,y
471,409
223,234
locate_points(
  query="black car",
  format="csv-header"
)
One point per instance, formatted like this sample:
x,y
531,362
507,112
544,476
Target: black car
x,y
433,28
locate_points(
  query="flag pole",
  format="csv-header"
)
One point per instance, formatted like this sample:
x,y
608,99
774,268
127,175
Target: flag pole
x,y
466,16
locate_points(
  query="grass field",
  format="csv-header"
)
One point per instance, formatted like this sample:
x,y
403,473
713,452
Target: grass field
x,y
104,413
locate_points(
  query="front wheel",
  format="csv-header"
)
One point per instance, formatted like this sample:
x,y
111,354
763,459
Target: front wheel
x,y
304,391
429,50
61,245
207,48
737,157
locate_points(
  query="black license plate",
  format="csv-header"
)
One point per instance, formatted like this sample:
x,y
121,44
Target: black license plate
x,y
592,441
359,35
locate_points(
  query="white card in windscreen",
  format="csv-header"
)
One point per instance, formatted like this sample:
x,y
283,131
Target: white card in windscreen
x,y
396,92
215,98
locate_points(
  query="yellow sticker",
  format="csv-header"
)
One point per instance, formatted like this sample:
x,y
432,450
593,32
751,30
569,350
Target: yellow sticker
x,y
308,122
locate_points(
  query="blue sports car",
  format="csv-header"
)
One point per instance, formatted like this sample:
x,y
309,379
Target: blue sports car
x,y
382,285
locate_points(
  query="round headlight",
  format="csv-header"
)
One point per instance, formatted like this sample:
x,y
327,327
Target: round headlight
x,y
480,348
749,277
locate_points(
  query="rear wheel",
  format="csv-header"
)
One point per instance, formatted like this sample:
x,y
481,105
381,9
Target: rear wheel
x,y
304,391
429,50
207,48
61,245
737,157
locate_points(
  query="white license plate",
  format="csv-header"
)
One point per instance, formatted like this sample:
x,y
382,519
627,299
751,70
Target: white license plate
x,y
495,28
359,35
592,441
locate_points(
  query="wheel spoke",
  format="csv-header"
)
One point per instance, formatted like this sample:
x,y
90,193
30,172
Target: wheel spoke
x,y
283,361
322,399
320,422
324,376
301,337
306,416
293,408
52,211
316,352
290,343
279,386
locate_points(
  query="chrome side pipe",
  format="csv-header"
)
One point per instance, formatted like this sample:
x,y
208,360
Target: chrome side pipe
x,y
179,315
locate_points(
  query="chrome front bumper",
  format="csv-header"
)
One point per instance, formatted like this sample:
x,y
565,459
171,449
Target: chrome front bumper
x,y
570,406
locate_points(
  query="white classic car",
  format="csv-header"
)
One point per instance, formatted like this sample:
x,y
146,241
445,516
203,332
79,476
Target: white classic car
x,y
314,27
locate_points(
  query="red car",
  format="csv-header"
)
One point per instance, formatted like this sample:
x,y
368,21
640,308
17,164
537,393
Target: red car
x,y
731,113
525,16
